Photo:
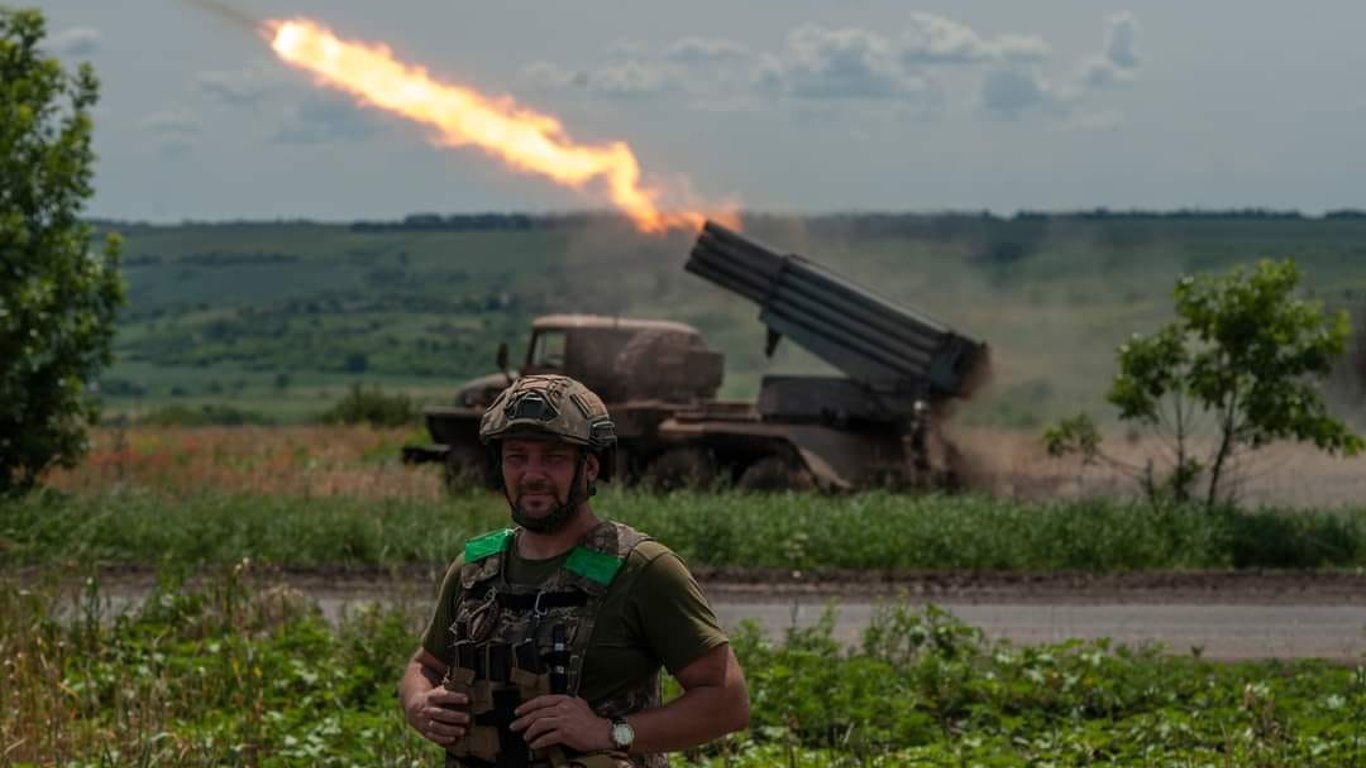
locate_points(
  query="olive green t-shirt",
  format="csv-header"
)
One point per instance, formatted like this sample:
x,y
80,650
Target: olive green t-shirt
x,y
654,614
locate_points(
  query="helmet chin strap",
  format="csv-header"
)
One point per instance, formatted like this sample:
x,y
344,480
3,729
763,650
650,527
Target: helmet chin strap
x,y
558,517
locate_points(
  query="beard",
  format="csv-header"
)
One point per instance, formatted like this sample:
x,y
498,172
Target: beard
x,y
556,519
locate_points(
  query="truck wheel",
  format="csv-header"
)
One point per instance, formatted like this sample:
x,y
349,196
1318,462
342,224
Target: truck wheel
x,y
680,469
775,473
465,467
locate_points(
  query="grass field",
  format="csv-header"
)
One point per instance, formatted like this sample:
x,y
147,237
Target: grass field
x,y
336,496
230,676
271,316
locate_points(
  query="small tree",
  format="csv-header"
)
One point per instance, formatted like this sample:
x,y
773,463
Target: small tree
x,y
1240,364
57,299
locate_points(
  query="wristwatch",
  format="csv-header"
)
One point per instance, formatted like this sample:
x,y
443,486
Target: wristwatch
x,y
622,734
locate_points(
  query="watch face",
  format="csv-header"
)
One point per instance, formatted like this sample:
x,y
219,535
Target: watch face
x,y
622,734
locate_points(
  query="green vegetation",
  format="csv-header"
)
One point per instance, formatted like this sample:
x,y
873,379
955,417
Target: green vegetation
x,y
370,405
1241,363
220,311
805,532
57,296
230,675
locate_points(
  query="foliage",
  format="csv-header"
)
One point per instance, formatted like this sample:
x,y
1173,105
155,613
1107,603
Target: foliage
x,y
232,673
1243,356
1347,385
57,299
370,405
733,531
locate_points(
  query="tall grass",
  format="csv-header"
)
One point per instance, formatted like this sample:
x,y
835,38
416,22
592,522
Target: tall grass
x,y
802,532
337,496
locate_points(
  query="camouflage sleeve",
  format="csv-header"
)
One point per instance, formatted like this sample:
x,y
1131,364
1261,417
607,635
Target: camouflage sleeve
x,y
675,619
436,638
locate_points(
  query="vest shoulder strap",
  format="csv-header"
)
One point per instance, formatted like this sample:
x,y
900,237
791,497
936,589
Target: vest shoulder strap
x,y
592,565
481,561
480,547
599,557
595,566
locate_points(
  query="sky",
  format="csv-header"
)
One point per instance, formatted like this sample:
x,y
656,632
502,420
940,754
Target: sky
x,y
775,105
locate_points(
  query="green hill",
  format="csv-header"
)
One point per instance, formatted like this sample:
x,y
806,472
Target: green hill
x,y
280,317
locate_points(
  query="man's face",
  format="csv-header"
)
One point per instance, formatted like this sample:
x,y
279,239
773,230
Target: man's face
x,y
539,474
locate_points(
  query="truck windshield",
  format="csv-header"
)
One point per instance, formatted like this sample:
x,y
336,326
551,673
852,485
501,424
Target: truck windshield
x,y
547,351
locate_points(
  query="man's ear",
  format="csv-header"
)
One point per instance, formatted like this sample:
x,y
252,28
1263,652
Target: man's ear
x,y
591,466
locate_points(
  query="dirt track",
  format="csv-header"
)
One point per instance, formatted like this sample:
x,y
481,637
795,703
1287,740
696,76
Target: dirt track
x,y
1221,615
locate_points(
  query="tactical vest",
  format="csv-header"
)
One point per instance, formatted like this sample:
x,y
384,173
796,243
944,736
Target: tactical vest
x,y
511,643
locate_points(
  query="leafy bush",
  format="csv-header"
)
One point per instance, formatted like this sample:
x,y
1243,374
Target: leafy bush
x,y
370,405
1240,362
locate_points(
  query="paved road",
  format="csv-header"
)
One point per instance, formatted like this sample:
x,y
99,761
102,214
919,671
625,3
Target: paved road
x,y
1225,615
1225,632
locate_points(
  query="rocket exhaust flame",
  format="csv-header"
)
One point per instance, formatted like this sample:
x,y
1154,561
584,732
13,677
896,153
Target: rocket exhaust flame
x,y
527,140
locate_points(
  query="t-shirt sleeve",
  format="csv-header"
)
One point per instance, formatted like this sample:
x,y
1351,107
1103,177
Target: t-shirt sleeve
x,y
436,638
676,620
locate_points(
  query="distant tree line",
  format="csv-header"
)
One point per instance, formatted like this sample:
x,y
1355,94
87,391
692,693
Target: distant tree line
x,y
490,221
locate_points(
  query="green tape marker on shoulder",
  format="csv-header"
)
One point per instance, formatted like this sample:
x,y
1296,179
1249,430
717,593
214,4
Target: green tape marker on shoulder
x,y
594,566
480,547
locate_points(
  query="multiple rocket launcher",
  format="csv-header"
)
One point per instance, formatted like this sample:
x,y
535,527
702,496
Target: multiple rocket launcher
x,y
895,356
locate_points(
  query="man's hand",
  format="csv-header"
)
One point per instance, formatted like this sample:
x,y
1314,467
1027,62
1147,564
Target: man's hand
x,y
434,718
566,720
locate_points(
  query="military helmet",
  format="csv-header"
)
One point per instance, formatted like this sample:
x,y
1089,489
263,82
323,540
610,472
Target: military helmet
x,y
551,406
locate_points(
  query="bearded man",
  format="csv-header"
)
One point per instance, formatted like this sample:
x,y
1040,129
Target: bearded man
x,y
547,640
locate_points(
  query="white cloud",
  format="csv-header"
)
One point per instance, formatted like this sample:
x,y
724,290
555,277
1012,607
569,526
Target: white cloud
x,y
1099,72
1022,48
1012,91
547,76
1009,91
1120,40
633,79
626,79
1117,64
76,41
701,50
820,63
936,40
933,62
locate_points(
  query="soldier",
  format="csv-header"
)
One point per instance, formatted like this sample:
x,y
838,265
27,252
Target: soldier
x,y
547,640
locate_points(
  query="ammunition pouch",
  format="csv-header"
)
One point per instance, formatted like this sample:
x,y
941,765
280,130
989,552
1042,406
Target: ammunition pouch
x,y
511,643
497,678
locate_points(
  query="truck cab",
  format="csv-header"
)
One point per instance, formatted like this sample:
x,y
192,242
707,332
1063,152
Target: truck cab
x,y
642,368
621,359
